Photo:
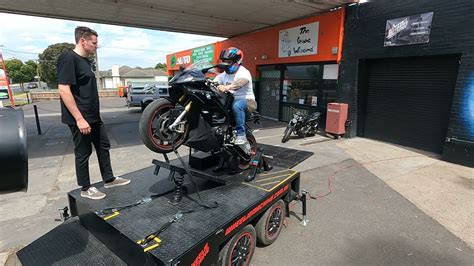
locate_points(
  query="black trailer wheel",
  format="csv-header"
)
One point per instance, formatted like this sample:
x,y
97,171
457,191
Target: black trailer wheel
x,y
239,250
270,224
286,135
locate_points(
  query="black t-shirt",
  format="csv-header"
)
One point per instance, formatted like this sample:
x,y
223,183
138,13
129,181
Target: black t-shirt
x,y
76,71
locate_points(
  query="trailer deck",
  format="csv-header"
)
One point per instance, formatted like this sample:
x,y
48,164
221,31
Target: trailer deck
x,y
194,230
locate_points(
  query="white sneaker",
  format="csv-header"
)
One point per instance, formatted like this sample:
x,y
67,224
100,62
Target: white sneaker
x,y
117,182
93,193
240,139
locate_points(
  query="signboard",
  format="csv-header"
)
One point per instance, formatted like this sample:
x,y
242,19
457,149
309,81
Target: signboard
x,y
185,58
177,60
205,53
298,41
408,30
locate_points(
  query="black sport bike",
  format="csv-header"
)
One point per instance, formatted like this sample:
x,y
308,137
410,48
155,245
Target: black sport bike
x,y
302,125
197,115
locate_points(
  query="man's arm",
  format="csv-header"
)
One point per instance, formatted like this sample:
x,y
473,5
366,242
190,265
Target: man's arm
x,y
68,100
239,83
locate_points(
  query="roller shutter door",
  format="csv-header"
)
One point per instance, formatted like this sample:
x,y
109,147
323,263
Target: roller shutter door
x,y
409,100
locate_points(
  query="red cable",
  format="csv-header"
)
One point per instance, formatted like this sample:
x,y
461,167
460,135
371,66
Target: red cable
x,y
331,177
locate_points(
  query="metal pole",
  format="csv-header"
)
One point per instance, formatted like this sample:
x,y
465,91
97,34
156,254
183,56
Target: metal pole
x,y
38,126
305,220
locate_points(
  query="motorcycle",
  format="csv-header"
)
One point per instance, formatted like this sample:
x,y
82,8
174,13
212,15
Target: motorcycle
x,y
196,114
302,125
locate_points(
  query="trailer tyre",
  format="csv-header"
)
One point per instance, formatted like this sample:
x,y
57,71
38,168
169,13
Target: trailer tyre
x,y
270,224
239,250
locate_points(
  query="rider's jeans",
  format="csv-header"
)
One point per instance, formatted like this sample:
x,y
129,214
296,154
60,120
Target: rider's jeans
x,y
239,107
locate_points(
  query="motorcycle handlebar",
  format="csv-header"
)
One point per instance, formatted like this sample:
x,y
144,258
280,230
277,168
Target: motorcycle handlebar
x,y
213,86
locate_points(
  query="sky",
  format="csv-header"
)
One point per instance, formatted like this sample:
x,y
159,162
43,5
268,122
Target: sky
x,y
24,37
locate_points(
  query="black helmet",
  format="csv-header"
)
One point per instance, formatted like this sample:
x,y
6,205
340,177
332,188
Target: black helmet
x,y
235,56
232,54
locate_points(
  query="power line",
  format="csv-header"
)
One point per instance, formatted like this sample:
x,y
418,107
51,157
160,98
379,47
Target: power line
x,y
20,52
136,49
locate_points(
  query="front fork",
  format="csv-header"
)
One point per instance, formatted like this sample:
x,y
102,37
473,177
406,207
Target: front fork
x,y
173,127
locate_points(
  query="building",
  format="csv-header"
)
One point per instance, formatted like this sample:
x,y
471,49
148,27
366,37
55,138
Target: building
x,y
407,72
404,67
122,76
293,64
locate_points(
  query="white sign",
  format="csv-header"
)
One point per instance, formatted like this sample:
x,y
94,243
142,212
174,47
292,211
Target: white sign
x,y
183,60
330,71
297,41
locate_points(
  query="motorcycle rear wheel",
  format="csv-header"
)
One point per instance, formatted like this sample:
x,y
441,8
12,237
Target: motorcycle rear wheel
x,y
245,163
286,135
153,127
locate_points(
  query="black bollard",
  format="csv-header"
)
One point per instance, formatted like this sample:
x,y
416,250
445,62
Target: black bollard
x,y
38,126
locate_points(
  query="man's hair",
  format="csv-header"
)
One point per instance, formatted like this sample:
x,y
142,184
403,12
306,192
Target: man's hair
x,y
84,32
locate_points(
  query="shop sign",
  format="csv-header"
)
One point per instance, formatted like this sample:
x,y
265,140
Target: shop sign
x,y
181,59
408,30
298,41
205,54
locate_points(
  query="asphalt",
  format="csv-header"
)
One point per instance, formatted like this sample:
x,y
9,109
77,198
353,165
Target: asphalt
x,y
376,203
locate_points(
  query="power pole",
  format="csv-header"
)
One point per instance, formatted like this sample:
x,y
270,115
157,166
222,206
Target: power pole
x,y
38,74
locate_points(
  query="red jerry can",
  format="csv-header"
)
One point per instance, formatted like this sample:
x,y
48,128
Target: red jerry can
x,y
336,117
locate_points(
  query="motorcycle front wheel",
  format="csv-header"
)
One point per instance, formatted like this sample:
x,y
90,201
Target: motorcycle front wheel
x,y
286,135
153,127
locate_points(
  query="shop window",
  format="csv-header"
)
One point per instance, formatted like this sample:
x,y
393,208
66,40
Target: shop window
x,y
301,85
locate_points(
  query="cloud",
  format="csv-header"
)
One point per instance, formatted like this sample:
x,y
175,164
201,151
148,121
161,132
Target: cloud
x,y
26,36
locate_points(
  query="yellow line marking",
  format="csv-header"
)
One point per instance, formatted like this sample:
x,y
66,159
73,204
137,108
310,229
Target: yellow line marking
x,y
261,188
269,183
281,171
269,190
277,185
111,216
270,178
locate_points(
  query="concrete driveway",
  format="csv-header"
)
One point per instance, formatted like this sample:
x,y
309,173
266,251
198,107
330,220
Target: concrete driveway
x,y
376,204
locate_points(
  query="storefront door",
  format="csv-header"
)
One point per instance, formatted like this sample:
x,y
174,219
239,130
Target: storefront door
x,y
269,91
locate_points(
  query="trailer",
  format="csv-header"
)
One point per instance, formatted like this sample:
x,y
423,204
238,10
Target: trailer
x,y
218,221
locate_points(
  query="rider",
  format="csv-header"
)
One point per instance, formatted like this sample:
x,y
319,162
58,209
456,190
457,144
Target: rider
x,y
237,79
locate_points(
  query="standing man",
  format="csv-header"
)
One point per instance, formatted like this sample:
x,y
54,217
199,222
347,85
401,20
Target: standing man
x,y
80,111
237,79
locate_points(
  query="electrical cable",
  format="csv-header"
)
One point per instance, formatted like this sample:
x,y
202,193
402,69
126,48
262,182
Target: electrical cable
x,y
333,175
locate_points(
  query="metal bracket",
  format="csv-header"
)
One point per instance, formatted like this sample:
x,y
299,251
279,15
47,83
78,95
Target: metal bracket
x,y
63,214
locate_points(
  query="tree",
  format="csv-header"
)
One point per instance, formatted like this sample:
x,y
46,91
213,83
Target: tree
x,y
32,64
49,58
19,72
161,66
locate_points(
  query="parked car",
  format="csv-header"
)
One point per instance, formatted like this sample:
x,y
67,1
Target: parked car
x,y
32,85
140,95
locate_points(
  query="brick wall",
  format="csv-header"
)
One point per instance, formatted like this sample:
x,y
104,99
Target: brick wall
x,y
452,32
54,95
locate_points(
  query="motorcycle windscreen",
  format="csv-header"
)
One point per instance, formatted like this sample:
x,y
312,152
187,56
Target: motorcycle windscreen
x,y
201,136
13,151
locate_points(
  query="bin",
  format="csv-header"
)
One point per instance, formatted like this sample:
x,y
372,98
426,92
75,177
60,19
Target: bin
x,y
122,90
336,117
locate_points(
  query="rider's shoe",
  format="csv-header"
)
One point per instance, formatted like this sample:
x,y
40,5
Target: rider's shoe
x,y
240,139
